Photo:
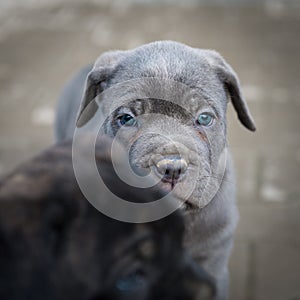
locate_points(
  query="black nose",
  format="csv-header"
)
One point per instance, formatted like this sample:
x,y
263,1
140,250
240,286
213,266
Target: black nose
x,y
171,167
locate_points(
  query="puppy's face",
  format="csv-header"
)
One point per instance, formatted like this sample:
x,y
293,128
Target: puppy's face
x,y
169,110
55,245
181,146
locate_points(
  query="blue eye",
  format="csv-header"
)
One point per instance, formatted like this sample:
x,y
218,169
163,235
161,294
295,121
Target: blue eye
x,y
131,282
205,119
126,120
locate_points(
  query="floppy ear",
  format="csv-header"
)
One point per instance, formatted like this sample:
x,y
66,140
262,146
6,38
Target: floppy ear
x,y
232,86
96,82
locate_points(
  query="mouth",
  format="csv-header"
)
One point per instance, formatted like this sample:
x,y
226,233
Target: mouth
x,y
180,186
192,187
167,185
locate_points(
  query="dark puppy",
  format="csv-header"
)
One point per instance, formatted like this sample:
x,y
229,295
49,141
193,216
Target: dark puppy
x,y
55,245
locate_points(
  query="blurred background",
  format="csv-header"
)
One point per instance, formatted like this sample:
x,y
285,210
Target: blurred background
x,y
43,43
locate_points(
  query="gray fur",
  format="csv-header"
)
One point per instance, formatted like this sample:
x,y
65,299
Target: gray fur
x,y
210,225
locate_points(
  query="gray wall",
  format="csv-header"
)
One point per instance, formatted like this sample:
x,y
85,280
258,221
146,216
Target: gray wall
x,y
7,5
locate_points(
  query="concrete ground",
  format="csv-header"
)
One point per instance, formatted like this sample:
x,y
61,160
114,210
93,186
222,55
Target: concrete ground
x,y
40,48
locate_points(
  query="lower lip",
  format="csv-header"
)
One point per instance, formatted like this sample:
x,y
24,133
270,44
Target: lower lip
x,y
167,185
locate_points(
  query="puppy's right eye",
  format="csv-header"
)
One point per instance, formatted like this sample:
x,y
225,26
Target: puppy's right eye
x,y
205,119
126,120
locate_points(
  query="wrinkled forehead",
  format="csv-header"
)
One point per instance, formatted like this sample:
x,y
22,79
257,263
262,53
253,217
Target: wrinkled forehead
x,y
168,91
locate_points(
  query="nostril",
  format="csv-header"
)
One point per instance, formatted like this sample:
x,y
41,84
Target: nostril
x,y
171,167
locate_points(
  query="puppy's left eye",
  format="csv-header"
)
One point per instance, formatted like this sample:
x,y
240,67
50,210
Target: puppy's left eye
x,y
205,119
126,120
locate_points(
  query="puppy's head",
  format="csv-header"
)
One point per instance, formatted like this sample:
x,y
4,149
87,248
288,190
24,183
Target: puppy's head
x,y
166,102
55,245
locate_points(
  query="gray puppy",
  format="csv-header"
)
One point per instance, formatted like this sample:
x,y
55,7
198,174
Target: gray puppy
x,y
166,102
